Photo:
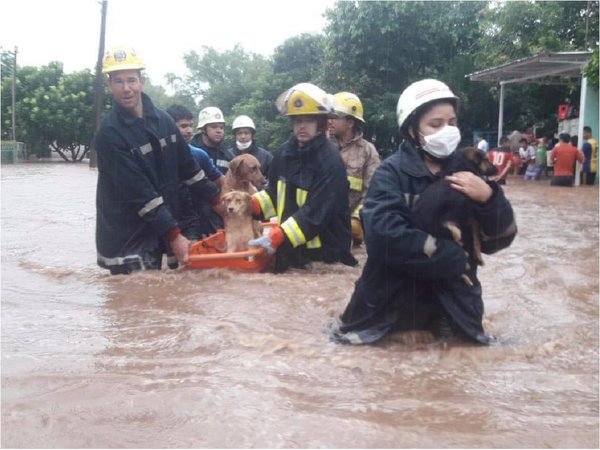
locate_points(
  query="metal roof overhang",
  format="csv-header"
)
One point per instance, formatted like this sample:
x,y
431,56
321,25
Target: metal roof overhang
x,y
546,68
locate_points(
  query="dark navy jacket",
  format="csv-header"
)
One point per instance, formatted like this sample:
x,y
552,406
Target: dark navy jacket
x,y
308,192
264,156
141,162
407,271
220,155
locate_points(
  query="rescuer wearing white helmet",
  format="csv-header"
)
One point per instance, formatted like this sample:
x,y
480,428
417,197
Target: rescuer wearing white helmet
x,y
211,132
359,155
196,219
244,131
308,189
140,165
411,279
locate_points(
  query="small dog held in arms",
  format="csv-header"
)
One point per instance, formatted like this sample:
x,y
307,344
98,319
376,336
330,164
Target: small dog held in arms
x,y
238,223
446,213
243,175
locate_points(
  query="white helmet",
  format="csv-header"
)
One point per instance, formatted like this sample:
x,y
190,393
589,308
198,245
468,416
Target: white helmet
x,y
243,122
210,114
419,93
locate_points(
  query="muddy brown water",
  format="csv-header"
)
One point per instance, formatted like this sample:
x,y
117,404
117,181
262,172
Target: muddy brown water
x,y
212,358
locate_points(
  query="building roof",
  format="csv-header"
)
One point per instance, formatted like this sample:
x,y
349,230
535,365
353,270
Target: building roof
x,y
547,68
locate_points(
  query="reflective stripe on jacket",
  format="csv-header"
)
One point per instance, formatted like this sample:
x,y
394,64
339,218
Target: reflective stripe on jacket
x,y
141,162
220,156
361,159
406,266
308,192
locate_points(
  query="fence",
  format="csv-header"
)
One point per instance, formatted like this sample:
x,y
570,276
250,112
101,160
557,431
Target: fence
x,y
12,152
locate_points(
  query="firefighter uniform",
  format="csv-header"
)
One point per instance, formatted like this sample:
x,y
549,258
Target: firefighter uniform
x,y
308,193
141,162
404,282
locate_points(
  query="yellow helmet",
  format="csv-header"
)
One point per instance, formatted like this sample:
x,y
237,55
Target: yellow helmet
x,y
305,99
121,58
348,104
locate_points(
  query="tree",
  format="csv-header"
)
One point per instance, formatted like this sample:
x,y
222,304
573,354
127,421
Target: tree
x,y
591,70
513,30
376,49
54,110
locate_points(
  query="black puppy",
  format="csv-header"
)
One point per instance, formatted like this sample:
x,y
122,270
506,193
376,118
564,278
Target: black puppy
x,y
446,213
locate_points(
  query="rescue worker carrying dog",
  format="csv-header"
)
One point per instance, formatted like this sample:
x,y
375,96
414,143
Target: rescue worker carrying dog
x,y
142,158
408,279
307,189
211,127
359,156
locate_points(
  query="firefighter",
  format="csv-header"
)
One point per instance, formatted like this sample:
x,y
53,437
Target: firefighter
x,y
359,155
142,158
211,132
307,190
412,280
244,131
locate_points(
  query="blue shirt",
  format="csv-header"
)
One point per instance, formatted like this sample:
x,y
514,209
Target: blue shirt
x,y
205,162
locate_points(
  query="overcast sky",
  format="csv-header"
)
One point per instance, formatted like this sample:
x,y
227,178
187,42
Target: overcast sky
x,y
160,31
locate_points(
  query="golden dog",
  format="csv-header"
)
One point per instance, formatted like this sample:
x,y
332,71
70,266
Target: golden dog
x,y
243,175
238,223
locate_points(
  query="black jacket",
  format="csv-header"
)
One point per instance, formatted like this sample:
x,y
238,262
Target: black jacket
x,y
220,155
141,162
308,192
264,156
407,275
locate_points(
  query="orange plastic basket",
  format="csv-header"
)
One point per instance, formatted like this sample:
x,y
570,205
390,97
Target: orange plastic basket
x,y
209,253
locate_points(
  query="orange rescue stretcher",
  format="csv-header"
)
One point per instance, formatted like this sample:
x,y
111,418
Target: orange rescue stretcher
x,y
209,253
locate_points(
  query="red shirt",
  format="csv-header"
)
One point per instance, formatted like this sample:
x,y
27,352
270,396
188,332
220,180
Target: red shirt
x,y
500,160
564,156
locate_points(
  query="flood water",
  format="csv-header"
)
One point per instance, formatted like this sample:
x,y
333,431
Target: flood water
x,y
192,358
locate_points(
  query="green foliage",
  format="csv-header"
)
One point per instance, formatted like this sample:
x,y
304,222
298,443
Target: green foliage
x,y
515,30
591,70
374,49
53,110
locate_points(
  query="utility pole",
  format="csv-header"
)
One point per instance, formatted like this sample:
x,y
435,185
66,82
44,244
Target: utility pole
x,y
14,84
99,85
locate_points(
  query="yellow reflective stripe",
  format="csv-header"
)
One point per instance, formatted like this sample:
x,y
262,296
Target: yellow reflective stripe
x,y
266,204
301,195
281,187
314,243
356,184
293,232
356,212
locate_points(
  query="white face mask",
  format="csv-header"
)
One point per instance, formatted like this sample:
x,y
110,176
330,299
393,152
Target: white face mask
x,y
243,145
442,143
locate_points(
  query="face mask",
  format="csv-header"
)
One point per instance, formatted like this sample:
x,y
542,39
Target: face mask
x,y
243,146
442,143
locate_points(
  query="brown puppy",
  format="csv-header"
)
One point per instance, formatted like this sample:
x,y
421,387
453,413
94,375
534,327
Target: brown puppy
x,y
243,175
237,218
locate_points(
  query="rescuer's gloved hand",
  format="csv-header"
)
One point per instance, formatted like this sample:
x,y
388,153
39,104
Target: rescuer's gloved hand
x,y
270,243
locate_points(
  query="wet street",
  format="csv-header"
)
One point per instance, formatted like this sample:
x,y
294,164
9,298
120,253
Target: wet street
x,y
213,358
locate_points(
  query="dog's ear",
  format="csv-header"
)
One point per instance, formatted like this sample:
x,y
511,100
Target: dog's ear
x,y
234,165
226,197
